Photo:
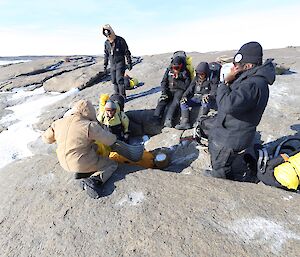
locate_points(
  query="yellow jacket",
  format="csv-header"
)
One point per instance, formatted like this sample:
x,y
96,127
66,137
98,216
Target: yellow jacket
x,y
119,118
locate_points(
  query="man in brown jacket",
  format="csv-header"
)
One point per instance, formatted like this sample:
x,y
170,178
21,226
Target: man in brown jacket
x,y
75,136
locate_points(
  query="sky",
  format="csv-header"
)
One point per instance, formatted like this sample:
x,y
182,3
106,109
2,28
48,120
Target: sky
x,y
66,27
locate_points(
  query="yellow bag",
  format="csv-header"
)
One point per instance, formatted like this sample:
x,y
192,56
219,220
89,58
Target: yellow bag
x,y
190,67
147,160
288,173
133,82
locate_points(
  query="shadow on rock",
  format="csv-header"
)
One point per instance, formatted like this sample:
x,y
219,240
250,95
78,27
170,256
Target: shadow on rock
x,y
181,156
145,93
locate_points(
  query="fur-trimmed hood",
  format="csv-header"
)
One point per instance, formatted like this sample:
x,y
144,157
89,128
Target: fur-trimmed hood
x,y
85,109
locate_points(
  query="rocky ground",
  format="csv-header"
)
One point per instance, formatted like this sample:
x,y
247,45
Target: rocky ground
x,y
144,212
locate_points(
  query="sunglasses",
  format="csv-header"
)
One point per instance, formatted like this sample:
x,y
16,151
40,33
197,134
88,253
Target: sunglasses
x,y
106,32
177,67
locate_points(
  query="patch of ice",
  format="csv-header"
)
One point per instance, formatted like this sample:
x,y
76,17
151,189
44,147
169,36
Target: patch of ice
x,y
133,198
288,198
12,62
260,231
14,141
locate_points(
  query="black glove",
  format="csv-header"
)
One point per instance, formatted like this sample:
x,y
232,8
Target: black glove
x,y
163,97
183,100
129,66
105,70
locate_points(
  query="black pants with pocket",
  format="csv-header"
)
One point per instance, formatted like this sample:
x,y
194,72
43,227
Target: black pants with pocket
x,y
117,78
221,159
231,164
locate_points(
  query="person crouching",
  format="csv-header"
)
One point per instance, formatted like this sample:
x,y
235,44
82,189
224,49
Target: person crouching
x,y
75,136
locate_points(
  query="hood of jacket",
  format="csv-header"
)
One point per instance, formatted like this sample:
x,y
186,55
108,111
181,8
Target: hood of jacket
x,y
203,67
266,71
112,36
85,109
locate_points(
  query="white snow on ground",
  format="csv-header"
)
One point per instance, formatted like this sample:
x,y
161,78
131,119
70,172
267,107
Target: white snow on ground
x,y
14,141
260,231
9,62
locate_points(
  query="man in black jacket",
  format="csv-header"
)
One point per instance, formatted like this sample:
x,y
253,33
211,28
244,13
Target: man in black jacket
x,y
175,81
115,50
241,101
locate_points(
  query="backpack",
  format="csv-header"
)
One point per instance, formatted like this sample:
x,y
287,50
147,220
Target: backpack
x,y
267,154
215,70
188,62
280,162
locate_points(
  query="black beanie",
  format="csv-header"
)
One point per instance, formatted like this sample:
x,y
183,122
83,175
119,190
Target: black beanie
x,y
203,67
177,61
249,53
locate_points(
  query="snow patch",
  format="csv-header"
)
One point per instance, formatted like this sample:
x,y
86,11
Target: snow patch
x,y
260,231
133,198
15,139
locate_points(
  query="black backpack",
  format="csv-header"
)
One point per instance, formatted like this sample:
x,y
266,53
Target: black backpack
x,y
215,70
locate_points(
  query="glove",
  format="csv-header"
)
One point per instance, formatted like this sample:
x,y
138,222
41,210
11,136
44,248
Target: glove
x,y
183,100
205,98
129,66
163,97
105,70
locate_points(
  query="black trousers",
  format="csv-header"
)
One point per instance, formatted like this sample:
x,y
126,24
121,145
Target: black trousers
x,y
117,78
80,175
230,164
173,102
221,159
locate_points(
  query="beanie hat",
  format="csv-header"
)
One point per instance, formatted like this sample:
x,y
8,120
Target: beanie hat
x,y
202,67
250,52
110,105
177,61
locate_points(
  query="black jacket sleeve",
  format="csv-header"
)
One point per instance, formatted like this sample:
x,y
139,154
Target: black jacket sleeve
x,y
190,90
165,82
106,53
235,100
126,51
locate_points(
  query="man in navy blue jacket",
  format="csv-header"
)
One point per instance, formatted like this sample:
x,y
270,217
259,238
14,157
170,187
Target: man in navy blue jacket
x,y
241,100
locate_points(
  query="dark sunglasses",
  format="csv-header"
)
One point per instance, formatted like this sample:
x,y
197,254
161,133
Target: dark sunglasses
x,y
177,67
106,32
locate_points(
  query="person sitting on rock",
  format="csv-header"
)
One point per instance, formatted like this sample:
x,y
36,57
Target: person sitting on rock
x,y
75,135
197,94
175,81
115,120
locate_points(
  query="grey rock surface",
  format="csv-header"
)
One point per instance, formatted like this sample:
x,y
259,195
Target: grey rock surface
x,y
150,212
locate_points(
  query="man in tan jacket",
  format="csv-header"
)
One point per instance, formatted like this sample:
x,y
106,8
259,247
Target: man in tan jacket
x,y
75,136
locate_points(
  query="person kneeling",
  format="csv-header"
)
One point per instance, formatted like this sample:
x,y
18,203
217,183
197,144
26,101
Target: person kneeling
x,y
75,135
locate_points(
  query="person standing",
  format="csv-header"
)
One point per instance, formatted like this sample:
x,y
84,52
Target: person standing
x,y
241,100
115,51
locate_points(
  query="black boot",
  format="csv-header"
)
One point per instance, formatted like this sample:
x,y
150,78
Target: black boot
x,y
185,120
93,186
202,113
168,122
